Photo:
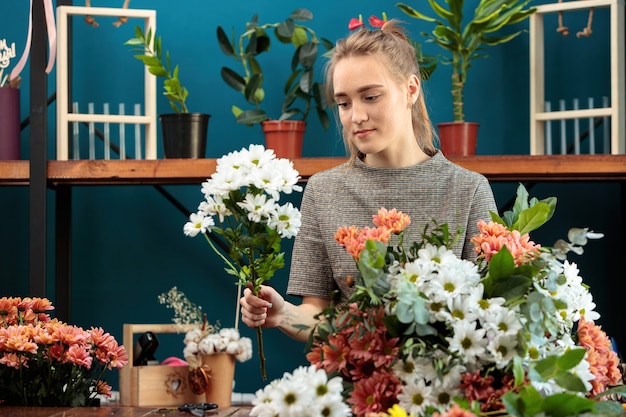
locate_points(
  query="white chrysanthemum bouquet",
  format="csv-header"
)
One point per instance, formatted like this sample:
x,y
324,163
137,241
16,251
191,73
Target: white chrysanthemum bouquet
x,y
242,206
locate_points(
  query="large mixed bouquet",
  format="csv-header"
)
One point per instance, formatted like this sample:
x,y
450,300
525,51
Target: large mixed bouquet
x,y
45,362
242,206
427,333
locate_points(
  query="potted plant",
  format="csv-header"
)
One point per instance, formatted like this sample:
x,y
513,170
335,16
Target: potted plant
x,y
302,93
184,133
465,41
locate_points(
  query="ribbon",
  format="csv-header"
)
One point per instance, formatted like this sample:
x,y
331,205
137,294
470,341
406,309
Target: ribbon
x,y
52,39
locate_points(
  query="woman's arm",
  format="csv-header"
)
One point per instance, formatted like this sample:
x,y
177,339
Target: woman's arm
x,y
270,309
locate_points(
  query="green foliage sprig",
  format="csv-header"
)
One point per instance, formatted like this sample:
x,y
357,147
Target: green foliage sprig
x,y
152,56
464,41
300,85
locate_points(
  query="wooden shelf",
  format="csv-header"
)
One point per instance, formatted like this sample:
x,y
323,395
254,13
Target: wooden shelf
x,y
194,171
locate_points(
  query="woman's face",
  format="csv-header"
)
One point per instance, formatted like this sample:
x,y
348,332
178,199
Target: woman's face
x,y
374,108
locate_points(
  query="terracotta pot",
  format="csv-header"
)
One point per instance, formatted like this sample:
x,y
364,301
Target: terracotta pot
x,y
184,134
458,138
285,137
220,368
9,123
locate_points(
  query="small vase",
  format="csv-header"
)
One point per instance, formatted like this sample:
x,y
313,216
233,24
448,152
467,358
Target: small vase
x,y
284,137
9,123
184,135
458,138
220,368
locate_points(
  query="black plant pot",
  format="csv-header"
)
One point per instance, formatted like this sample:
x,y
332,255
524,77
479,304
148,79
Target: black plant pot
x,y
184,134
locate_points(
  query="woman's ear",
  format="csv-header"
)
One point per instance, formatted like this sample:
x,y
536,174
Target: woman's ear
x,y
414,89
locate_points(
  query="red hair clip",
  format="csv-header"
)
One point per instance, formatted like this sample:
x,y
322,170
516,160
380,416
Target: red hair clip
x,y
374,21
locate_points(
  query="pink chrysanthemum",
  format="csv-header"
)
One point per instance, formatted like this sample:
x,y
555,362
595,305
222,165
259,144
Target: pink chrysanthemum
x,y
603,361
494,236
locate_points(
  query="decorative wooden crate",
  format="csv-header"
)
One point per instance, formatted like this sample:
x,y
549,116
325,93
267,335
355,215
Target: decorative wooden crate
x,y
154,385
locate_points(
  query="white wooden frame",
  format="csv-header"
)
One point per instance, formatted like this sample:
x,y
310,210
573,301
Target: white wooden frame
x,y
64,117
537,76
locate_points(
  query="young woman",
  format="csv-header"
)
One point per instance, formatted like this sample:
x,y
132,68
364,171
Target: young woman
x,y
373,78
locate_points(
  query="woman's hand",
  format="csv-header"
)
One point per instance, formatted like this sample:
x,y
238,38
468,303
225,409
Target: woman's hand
x,y
262,311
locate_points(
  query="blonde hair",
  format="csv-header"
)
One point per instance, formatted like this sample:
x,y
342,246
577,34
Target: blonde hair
x,y
393,45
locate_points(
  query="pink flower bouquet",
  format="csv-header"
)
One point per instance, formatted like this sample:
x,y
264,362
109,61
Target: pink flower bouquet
x,y
45,362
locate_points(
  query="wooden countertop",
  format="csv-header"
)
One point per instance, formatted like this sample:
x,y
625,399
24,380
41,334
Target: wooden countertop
x,y
115,411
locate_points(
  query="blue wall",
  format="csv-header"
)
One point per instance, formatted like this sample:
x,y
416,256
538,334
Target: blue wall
x,y
128,244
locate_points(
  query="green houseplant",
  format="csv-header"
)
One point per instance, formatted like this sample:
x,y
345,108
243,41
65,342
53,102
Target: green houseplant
x,y
464,42
303,94
184,133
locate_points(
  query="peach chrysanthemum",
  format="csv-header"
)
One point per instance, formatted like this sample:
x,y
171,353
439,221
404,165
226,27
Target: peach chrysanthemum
x,y
346,234
603,361
493,236
393,220
455,411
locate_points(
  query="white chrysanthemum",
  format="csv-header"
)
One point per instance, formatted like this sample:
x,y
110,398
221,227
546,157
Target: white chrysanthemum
x,y
286,221
415,397
255,156
289,176
305,392
291,399
436,255
503,349
268,179
417,272
452,283
223,182
424,366
468,341
198,223
502,320
215,206
330,407
259,207
461,308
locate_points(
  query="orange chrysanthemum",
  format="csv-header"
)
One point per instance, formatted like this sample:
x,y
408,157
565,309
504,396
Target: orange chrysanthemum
x,y
393,220
603,361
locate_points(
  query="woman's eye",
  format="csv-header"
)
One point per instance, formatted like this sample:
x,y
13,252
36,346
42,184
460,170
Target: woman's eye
x,y
370,98
342,104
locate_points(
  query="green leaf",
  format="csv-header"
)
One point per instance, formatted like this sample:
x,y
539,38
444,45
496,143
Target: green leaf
x,y
570,382
301,15
570,358
410,11
564,405
531,218
225,45
251,117
233,79
543,369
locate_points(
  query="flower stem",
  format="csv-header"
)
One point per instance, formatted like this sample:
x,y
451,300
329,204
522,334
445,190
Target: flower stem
x,y
259,337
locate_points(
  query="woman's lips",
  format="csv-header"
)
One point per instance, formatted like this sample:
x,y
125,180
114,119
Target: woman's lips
x,y
363,133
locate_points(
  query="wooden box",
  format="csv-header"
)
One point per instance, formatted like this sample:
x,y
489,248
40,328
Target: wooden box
x,y
154,385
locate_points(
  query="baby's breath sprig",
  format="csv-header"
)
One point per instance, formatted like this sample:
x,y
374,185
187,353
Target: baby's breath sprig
x,y
185,311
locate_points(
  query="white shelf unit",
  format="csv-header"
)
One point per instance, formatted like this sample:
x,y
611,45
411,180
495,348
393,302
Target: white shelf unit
x,y
64,116
615,112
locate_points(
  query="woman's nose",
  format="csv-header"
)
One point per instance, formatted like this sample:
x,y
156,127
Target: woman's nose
x,y
359,115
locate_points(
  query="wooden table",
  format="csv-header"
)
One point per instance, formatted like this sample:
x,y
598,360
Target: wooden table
x,y
116,411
